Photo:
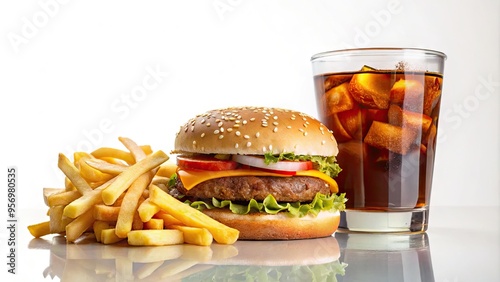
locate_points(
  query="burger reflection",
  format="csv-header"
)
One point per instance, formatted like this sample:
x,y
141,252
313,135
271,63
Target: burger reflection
x,y
293,260
386,257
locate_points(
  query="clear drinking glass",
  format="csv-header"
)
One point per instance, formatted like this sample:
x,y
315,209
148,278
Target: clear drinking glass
x,y
382,105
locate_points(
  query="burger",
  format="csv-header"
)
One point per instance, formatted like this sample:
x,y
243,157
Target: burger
x,y
267,172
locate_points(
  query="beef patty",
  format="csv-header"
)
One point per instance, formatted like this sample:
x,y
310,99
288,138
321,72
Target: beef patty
x,y
244,188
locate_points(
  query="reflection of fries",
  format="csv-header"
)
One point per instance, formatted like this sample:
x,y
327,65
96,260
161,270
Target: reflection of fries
x,y
115,194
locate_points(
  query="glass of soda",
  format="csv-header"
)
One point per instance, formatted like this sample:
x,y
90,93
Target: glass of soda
x,y
382,105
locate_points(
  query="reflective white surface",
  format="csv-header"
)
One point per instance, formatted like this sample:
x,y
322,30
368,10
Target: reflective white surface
x,y
460,245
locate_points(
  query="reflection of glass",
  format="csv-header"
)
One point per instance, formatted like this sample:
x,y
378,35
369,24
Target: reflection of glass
x,y
295,260
386,257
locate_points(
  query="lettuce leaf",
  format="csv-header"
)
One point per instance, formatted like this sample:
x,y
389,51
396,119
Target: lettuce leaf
x,y
327,165
269,205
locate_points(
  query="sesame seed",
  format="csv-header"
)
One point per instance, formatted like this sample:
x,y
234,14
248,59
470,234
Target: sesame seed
x,y
289,126
208,124
236,145
236,125
202,121
275,123
257,134
270,147
229,129
221,136
203,135
222,129
194,143
246,136
323,142
249,144
264,124
237,133
275,117
301,130
245,121
275,129
305,133
216,131
252,119
192,128
220,124
305,124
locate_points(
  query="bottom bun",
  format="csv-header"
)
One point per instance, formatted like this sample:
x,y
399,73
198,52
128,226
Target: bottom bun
x,y
260,226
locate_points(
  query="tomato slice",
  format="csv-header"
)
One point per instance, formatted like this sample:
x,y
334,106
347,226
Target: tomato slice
x,y
281,166
205,163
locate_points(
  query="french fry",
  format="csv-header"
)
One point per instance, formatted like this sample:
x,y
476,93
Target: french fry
x,y
50,191
105,166
134,149
192,217
105,152
108,236
79,225
154,223
62,198
91,174
98,227
58,222
168,220
137,223
195,235
85,202
126,178
167,169
40,229
106,213
155,237
147,210
73,174
130,203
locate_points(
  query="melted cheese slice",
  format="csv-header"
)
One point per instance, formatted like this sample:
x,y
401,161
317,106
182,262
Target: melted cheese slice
x,y
191,178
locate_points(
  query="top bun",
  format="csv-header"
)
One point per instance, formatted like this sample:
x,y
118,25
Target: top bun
x,y
255,131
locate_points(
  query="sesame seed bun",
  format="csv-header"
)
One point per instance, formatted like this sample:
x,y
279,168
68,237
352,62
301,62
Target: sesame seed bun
x,y
255,131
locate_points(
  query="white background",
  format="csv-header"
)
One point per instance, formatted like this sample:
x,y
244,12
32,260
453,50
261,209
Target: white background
x,y
70,72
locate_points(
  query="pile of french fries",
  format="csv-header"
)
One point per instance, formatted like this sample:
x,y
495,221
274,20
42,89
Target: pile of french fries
x,y
120,195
